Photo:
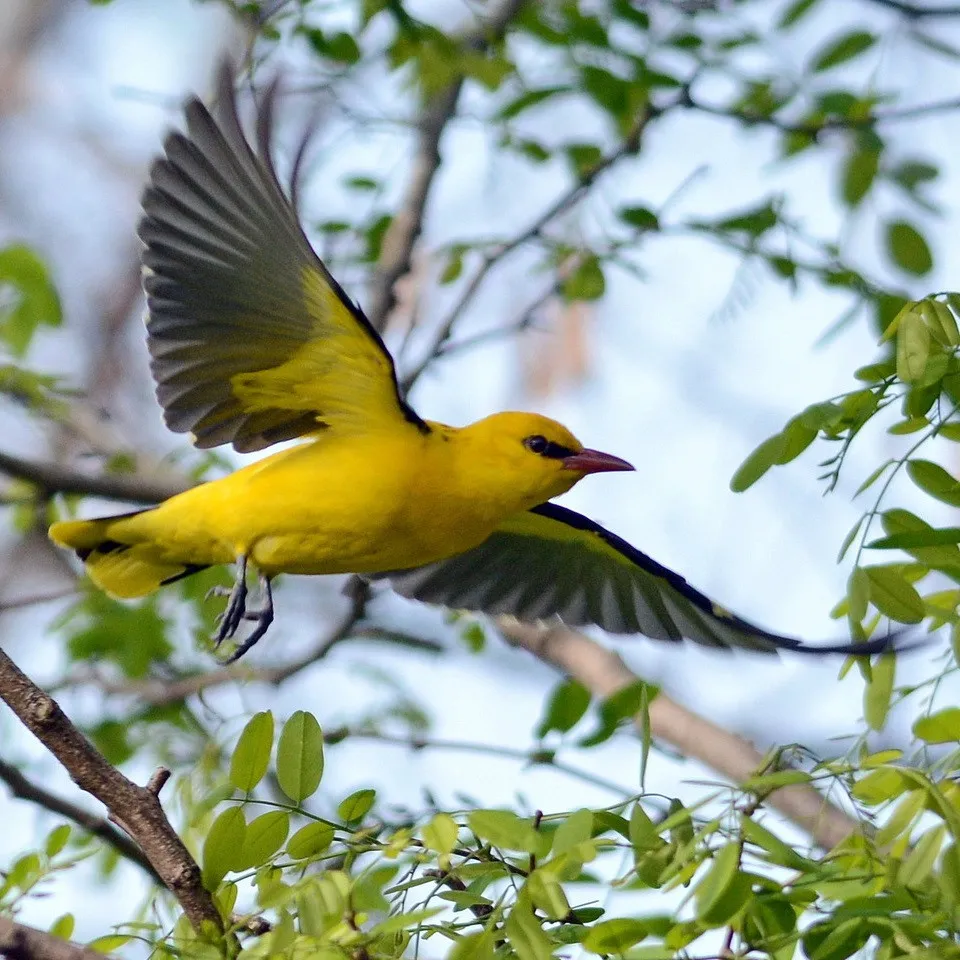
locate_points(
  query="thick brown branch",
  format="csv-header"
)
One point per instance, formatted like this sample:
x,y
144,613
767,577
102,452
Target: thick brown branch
x,y
52,478
401,237
25,789
603,673
137,808
20,942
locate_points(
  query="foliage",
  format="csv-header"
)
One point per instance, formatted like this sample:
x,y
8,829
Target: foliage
x,y
298,870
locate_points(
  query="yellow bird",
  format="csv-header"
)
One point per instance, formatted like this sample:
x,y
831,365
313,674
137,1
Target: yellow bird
x,y
253,342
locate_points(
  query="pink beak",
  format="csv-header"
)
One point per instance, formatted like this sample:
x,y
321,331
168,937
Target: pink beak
x,y
593,461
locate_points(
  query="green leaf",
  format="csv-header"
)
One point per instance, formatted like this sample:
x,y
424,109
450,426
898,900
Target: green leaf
x,y
640,217
933,479
754,221
530,98
565,708
525,934
615,936
63,926
858,594
920,861
586,282
503,828
223,846
758,463
546,891
913,347
911,173
940,727
893,596
929,537
300,756
441,833
859,173
908,249
263,838
777,851
357,805
251,757
878,692
879,785
573,831
310,840
34,303
842,49
794,13
718,879
57,840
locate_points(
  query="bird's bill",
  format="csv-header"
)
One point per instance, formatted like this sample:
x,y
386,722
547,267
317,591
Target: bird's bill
x,y
594,461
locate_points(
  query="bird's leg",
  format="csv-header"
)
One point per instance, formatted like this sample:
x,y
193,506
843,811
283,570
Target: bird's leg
x,y
263,616
236,604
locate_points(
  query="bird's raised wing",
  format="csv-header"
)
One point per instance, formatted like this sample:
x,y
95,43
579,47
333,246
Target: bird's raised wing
x,y
252,340
551,561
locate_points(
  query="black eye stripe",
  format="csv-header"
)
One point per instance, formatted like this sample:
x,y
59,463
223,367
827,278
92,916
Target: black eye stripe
x,y
547,448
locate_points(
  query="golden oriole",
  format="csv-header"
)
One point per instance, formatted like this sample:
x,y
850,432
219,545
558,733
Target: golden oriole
x,y
253,342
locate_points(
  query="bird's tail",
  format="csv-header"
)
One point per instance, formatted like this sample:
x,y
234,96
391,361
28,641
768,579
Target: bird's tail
x,y
122,569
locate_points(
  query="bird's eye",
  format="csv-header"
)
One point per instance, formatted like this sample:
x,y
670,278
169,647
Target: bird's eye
x,y
536,444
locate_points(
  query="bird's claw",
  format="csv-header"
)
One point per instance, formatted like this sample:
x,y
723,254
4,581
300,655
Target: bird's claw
x,y
237,611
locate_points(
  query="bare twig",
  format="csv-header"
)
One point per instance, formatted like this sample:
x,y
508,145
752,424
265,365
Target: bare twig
x,y
831,123
52,478
914,12
544,758
401,237
20,942
629,146
138,808
25,789
159,693
603,673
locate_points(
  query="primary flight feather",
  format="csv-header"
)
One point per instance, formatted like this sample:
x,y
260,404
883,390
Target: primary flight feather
x,y
253,342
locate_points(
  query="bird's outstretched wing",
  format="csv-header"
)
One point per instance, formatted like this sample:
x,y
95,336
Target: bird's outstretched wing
x,y
252,340
551,561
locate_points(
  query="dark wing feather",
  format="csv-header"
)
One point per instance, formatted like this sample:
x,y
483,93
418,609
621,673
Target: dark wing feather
x,y
551,561
252,340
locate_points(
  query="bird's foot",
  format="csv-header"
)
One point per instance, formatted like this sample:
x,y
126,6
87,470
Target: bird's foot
x,y
229,621
262,616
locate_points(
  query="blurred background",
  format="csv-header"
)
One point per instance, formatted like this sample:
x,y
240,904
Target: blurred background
x,y
692,297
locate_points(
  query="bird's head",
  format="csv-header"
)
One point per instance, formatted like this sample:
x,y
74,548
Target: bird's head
x,y
534,456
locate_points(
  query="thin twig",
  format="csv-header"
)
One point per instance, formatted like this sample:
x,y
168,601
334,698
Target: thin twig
x,y
629,146
25,789
831,123
544,758
401,237
912,12
136,807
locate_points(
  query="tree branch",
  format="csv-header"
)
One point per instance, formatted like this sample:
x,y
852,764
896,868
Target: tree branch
x,y
913,12
833,123
401,236
25,789
137,809
603,673
629,146
52,478
20,942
